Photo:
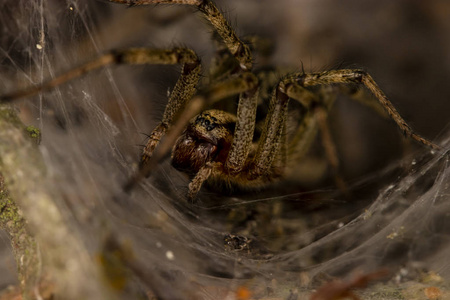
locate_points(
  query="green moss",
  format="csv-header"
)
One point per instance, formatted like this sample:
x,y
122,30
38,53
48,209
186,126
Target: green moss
x,y
34,132
9,115
23,245
10,218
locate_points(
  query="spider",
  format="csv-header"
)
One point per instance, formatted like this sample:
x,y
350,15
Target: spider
x,y
219,147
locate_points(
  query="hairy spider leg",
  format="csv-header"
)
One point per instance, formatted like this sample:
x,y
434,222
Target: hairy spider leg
x,y
344,76
317,106
102,61
315,118
271,143
273,149
134,56
243,133
202,175
271,154
183,91
321,116
302,139
271,138
240,50
363,96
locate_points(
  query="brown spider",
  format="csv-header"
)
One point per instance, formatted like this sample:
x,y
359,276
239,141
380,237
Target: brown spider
x,y
217,147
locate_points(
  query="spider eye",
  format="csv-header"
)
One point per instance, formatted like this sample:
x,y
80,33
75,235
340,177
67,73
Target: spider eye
x,y
199,120
205,123
208,125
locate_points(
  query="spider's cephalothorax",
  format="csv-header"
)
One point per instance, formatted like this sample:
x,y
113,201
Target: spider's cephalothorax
x,y
216,146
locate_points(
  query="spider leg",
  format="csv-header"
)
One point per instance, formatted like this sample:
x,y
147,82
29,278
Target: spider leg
x,y
272,151
240,51
201,176
102,61
364,97
271,138
307,129
183,91
314,119
246,85
280,161
127,56
243,133
361,77
321,115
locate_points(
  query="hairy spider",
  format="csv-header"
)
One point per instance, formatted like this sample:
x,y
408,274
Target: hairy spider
x,y
219,147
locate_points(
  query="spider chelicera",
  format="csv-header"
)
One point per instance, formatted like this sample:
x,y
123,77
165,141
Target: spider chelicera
x,y
219,147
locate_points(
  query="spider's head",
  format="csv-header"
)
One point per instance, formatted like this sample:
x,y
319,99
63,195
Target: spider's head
x,y
208,137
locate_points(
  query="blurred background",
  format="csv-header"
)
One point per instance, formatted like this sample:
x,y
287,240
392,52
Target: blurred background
x,y
277,243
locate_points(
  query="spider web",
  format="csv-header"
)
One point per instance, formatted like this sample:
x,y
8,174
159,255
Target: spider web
x,y
397,216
